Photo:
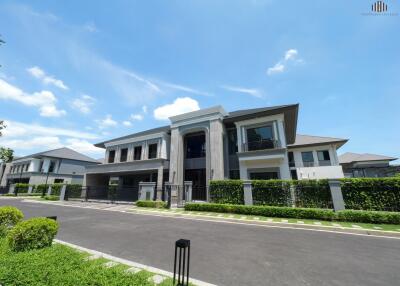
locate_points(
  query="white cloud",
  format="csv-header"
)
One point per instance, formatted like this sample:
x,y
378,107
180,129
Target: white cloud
x,y
126,123
279,67
179,106
83,103
185,88
18,129
107,122
42,142
137,117
44,100
83,146
90,27
144,109
250,91
46,79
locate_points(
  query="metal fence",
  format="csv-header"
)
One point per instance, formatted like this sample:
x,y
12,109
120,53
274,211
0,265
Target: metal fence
x,y
199,193
112,193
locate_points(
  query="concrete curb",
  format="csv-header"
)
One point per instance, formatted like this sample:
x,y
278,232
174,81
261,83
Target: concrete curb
x,y
128,262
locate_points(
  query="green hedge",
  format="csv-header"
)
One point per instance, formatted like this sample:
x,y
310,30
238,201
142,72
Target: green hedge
x,y
226,192
41,188
9,216
21,188
151,204
312,194
74,190
381,194
33,233
271,192
300,213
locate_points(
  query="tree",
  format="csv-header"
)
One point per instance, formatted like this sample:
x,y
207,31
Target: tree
x,y
6,154
2,126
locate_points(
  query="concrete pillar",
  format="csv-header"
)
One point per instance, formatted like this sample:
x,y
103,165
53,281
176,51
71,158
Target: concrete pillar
x,y
337,196
248,195
49,190
216,150
30,189
160,174
188,189
176,157
146,191
62,192
11,190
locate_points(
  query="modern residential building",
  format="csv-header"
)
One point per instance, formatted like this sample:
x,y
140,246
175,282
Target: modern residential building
x,y
367,165
61,165
211,144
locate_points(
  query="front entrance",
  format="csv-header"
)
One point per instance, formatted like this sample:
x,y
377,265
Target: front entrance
x,y
198,177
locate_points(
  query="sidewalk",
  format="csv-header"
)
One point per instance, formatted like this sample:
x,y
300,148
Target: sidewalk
x,y
313,225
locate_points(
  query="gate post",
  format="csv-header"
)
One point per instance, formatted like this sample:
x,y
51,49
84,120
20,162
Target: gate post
x,y
146,191
30,189
337,196
248,195
11,190
49,190
188,190
167,193
62,192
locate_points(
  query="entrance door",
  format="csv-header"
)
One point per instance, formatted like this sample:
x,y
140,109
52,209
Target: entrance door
x,y
198,177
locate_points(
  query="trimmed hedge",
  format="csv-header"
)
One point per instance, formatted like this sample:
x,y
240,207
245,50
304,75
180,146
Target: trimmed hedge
x,y
74,190
272,193
52,198
300,213
41,187
9,216
151,204
312,194
33,233
21,188
226,192
381,194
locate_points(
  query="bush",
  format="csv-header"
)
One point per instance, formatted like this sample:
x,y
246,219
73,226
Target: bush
x,y
271,192
33,233
379,194
151,204
74,190
21,188
51,198
300,213
56,189
283,212
41,188
226,192
9,216
312,194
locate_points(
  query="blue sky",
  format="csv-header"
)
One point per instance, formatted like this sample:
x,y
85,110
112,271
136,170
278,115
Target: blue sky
x,y
78,72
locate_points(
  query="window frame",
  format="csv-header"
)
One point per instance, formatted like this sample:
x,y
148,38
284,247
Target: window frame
x,y
125,158
113,156
149,153
140,152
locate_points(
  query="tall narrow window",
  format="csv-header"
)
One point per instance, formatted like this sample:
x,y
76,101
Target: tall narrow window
x,y
41,166
232,141
51,167
308,159
291,159
137,153
153,151
111,156
124,155
27,167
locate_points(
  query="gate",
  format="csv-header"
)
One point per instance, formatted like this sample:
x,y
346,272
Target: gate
x,y
112,193
175,195
199,193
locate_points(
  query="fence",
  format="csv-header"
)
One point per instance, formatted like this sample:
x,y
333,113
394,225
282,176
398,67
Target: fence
x,y
272,192
112,193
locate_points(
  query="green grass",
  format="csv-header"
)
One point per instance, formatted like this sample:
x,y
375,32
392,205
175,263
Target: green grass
x,y
368,226
62,265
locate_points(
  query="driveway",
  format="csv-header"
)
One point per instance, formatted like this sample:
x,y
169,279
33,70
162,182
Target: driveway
x,y
230,254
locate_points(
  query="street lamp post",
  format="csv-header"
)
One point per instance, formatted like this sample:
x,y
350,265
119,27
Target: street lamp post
x,y
45,185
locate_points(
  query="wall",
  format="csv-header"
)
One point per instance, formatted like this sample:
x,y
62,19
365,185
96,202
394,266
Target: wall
x,y
321,172
265,164
299,161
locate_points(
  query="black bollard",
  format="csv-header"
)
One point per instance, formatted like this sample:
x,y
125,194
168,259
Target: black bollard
x,y
52,217
182,244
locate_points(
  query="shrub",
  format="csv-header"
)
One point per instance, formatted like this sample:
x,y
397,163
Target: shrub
x,y
312,194
9,216
74,190
41,188
21,188
33,233
369,216
226,192
271,192
52,198
151,204
284,212
56,189
380,194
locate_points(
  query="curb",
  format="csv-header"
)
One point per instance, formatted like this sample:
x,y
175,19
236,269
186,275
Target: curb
x,y
129,262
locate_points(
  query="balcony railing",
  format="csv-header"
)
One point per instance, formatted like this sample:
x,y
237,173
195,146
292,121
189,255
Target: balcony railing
x,y
325,163
261,145
308,164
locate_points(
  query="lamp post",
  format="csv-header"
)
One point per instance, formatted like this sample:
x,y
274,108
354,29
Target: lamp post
x,y
183,263
45,185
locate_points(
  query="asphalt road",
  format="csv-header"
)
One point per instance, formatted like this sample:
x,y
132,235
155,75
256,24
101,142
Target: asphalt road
x,y
229,254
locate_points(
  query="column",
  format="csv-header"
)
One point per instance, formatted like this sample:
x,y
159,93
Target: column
x,y
160,173
216,150
248,195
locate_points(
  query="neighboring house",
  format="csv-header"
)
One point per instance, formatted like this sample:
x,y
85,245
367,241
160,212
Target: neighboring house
x,y
212,144
61,165
367,165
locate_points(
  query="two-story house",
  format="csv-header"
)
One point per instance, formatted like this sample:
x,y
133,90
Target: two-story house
x,y
211,144
61,165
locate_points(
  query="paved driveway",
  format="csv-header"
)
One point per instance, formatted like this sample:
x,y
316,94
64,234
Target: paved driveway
x,y
229,254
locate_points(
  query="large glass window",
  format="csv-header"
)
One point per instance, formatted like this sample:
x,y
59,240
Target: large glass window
x,y
324,158
111,156
153,151
308,158
137,153
259,138
232,141
263,175
234,174
195,146
124,155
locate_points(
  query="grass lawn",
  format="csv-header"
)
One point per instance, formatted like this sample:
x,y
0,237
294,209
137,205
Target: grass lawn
x,y
369,226
62,265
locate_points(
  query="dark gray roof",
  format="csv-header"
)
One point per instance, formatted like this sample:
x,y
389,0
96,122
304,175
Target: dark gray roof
x,y
142,133
309,140
252,111
355,157
63,153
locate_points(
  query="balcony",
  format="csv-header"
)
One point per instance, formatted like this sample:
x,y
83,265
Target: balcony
x,y
308,164
264,144
325,163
